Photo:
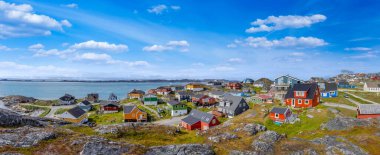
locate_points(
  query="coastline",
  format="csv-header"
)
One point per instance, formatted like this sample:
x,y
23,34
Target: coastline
x,y
2,106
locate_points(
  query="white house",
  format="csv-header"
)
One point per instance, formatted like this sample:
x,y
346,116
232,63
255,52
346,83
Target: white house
x,y
371,86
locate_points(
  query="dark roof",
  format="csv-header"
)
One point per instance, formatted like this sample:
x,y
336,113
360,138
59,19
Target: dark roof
x,y
343,83
112,97
182,93
331,87
128,108
173,102
135,91
279,110
234,100
198,95
373,84
217,92
106,103
76,112
310,88
85,102
196,115
67,97
369,108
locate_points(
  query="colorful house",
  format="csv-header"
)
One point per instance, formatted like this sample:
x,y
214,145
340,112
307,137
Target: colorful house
x,y
368,111
194,87
234,85
150,100
184,96
134,114
203,100
136,94
248,81
280,115
232,105
303,95
198,120
67,99
345,84
111,105
371,87
85,105
93,97
74,115
163,90
262,98
177,108
282,84
217,94
328,90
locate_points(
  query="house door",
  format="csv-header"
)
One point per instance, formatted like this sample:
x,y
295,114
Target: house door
x,y
293,102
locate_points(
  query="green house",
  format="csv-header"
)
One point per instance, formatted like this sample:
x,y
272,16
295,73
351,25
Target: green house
x,y
150,99
177,108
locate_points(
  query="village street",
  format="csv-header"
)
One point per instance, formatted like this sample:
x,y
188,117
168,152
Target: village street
x,y
362,98
170,122
340,106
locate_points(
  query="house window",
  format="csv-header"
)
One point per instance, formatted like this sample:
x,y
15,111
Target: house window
x,y
299,101
213,121
276,115
300,93
306,101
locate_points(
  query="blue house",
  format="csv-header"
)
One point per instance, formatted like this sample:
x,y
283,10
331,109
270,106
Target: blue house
x,y
345,84
238,93
328,89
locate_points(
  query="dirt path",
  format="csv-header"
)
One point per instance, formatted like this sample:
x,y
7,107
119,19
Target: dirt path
x,y
362,98
340,106
170,122
152,110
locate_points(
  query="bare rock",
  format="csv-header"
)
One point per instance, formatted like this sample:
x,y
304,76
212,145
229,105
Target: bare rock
x,y
224,136
24,136
341,123
265,142
334,144
97,145
185,149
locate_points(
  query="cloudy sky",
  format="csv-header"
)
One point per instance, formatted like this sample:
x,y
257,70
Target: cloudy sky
x,y
147,39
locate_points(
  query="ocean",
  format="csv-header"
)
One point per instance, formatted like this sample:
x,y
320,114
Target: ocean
x,y
54,90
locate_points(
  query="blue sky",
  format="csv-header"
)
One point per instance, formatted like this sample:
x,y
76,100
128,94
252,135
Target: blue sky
x,y
137,39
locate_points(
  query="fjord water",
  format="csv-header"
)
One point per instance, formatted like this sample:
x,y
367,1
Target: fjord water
x,y
54,90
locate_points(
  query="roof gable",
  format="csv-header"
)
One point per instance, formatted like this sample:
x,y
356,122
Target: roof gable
x,y
76,112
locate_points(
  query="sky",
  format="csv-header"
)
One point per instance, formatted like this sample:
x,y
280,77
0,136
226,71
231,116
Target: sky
x,y
158,39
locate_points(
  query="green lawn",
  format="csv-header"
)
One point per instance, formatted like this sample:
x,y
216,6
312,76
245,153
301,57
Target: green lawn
x,y
46,102
106,119
33,108
60,111
339,100
369,96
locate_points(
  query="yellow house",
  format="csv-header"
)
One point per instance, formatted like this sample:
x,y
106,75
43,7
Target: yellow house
x,y
136,94
74,115
194,87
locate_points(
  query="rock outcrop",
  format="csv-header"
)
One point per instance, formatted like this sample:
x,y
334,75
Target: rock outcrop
x,y
97,145
341,123
334,144
12,119
224,136
265,142
13,99
185,149
25,136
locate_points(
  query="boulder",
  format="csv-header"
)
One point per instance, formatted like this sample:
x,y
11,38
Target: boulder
x,y
224,136
25,136
97,145
14,99
342,123
265,142
252,129
185,149
333,144
12,119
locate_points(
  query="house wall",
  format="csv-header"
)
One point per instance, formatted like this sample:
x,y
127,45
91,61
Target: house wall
x,y
281,117
135,96
191,127
81,119
135,115
178,112
150,102
363,116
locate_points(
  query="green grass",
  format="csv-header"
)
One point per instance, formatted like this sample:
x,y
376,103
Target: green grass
x,y
60,111
368,95
106,119
33,108
339,100
46,102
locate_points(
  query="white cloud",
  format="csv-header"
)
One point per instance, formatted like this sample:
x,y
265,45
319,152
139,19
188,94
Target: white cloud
x,y
263,42
297,54
273,23
53,52
72,5
36,47
175,7
94,45
235,60
158,9
21,21
222,69
358,49
13,69
93,56
181,45
4,48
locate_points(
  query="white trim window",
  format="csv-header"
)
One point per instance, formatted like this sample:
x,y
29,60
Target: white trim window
x,y
306,101
299,101
276,115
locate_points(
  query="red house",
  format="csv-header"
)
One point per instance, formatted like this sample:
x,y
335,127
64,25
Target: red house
x,y
234,85
203,100
368,111
109,107
280,115
303,95
199,120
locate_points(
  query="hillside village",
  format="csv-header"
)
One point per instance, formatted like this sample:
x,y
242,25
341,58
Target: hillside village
x,y
339,115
